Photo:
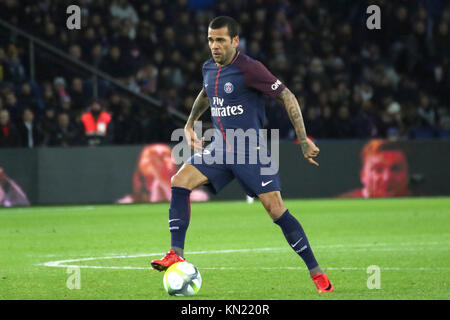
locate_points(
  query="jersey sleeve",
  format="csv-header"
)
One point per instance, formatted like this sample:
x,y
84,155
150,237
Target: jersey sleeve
x,y
258,77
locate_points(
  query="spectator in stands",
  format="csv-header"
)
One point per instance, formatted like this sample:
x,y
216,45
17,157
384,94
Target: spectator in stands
x,y
426,113
77,94
63,42
146,38
365,123
126,127
4,66
114,102
89,40
343,123
147,79
122,9
75,52
48,123
49,99
50,33
13,106
65,133
66,106
27,97
97,125
188,102
60,88
96,55
329,123
115,64
313,123
392,118
16,69
29,131
442,38
9,136
425,121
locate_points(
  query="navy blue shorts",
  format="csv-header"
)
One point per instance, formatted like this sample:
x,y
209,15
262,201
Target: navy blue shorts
x,y
251,176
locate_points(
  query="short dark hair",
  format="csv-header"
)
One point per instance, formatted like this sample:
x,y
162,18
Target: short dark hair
x,y
226,21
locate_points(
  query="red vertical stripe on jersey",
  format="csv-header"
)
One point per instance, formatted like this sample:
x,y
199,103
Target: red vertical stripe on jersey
x,y
217,81
218,119
223,134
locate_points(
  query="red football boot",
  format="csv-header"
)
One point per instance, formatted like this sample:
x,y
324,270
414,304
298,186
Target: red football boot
x,y
322,282
170,258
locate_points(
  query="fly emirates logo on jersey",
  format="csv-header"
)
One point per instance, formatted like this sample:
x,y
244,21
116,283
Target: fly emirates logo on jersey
x,y
218,110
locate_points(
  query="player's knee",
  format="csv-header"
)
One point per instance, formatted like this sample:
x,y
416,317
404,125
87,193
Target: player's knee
x,y
179,180
273,204
275,210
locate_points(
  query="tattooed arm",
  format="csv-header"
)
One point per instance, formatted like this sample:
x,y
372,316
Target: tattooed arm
x,y
200,105
292,106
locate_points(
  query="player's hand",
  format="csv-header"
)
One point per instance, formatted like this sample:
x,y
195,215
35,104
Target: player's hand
x,y
192,139
309,150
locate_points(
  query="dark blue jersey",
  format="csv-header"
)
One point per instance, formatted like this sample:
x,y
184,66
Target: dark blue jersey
x,y
236,93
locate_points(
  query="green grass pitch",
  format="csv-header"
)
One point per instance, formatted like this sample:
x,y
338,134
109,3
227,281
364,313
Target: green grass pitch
x,y
240,253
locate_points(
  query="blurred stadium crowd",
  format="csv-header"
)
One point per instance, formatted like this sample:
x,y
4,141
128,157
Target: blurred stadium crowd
x,y
354,82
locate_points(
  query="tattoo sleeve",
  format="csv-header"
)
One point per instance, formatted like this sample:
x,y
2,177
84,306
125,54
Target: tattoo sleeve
x,y
200,105
295,114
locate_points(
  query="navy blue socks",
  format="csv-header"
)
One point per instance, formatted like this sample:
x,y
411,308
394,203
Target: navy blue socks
x,y
179,216
296,237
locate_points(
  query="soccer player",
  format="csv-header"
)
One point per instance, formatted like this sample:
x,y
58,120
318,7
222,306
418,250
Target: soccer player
x,y
234,85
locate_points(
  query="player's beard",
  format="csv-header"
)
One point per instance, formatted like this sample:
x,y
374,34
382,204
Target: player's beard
x,y
219,59
223,58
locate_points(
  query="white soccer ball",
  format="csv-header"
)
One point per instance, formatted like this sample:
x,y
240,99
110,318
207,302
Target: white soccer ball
x,y
182,279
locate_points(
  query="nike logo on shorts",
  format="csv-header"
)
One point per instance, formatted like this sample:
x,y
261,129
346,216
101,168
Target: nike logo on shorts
x,y
266,183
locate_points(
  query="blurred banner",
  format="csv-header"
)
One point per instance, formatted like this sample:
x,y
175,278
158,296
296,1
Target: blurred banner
x,y
130,174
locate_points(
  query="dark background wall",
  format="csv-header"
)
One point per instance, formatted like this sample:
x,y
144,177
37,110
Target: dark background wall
x,y
104,174
85,175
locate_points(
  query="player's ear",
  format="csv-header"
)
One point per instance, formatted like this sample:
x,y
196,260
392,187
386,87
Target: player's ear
x,y
235,42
